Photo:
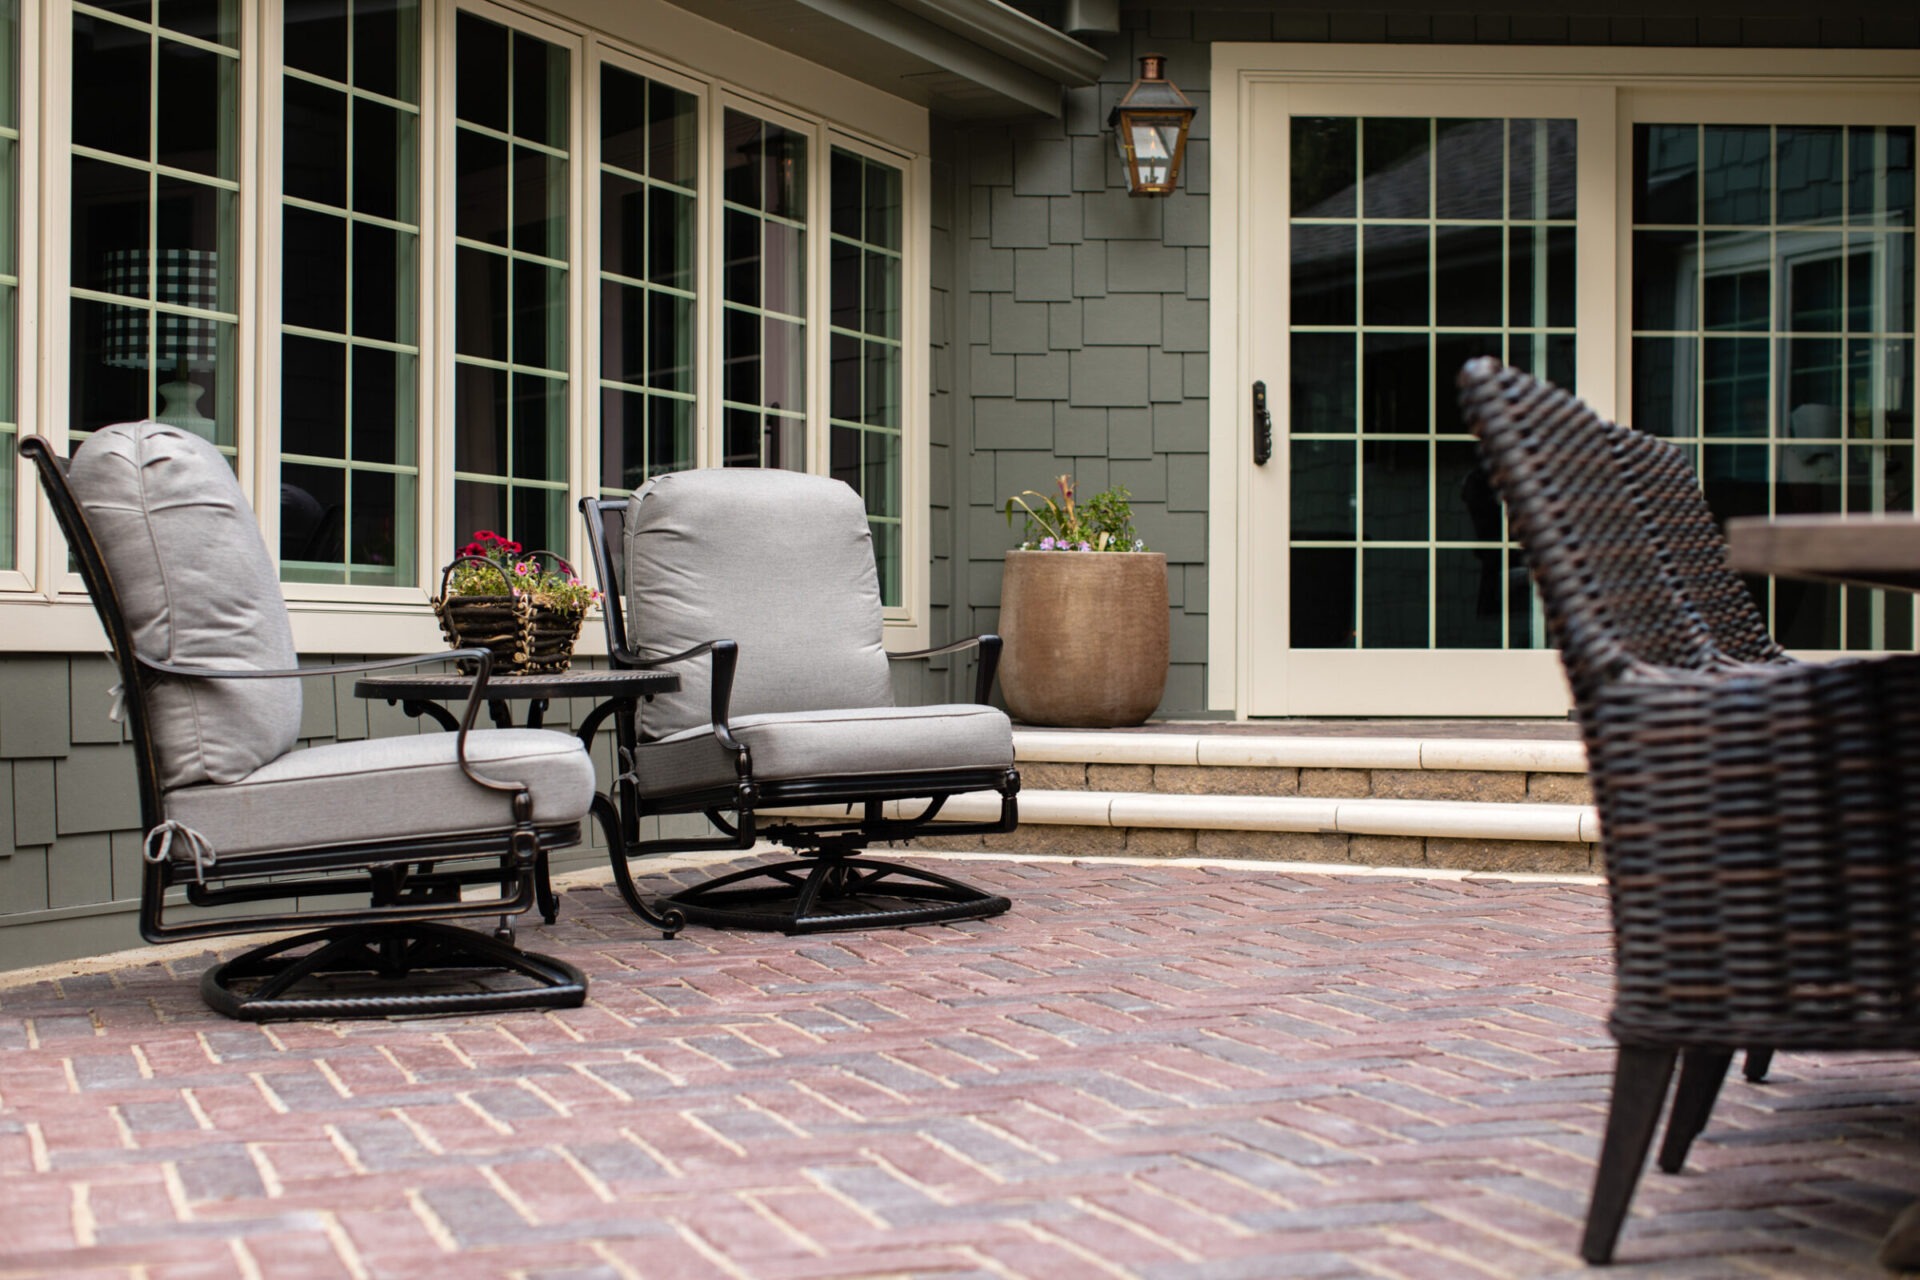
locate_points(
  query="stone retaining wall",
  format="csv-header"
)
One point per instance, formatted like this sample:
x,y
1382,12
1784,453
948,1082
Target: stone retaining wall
x,y
1491,786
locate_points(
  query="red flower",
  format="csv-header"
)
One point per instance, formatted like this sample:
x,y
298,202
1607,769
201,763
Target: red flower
x,y
473,549
487,535
511,548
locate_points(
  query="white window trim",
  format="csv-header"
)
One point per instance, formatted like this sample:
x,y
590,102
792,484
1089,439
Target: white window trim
x,y
1851,86
43,607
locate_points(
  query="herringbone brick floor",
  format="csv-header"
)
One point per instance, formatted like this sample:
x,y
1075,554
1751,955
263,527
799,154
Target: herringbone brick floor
x,y
1159,1072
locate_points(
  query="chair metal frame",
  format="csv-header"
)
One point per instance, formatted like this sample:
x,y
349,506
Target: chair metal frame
x,y
829,870
413,885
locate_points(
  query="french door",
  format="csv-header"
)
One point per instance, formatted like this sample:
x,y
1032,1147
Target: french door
x,y
1733,272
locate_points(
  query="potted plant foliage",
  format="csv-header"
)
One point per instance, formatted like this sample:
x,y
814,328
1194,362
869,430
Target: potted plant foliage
x,y
526,606
1083,612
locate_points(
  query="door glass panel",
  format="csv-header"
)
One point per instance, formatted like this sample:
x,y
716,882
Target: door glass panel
x,y
9,268
511,336
764,303
349,345
1772,312
1416,244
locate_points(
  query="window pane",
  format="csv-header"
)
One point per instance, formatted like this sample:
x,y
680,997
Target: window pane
x,y
867,360
511,431
349,389
647,250
152,279
764,334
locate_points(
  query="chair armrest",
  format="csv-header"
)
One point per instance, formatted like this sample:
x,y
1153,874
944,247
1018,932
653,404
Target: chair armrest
x,y
989,646
483,671
726,659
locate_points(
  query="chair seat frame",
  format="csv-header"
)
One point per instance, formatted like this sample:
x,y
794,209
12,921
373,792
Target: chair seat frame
x,y
413,885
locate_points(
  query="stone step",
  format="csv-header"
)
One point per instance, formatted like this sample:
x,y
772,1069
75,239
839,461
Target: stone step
x,y
1532,771
1496,805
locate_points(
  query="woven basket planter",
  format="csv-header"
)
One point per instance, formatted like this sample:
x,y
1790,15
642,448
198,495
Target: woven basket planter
x,y
526,638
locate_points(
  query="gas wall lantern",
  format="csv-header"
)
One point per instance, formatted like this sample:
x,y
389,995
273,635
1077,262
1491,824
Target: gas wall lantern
x,y
1150,129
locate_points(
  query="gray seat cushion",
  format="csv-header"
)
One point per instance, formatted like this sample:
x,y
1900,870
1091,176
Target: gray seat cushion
x,y
780,563
198,589
388,789
831,744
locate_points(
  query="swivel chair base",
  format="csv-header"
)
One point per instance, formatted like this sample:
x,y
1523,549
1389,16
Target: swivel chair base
x,y
833,891
356,971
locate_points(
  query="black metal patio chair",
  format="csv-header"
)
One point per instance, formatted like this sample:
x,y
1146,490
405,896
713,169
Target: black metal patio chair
x,y
1760,822
368,847
770,577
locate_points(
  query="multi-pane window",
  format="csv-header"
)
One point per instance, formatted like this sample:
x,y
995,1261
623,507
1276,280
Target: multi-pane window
x,y
1416,244
864,409
9,268
649,135
155,191
1773,330
399,365
349,269
511,434
764,294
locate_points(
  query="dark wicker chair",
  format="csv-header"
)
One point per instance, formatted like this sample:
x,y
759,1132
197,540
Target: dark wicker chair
x,y
1760,822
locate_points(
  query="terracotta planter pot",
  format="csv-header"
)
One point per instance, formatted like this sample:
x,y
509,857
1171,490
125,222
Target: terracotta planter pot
x,y
1086,636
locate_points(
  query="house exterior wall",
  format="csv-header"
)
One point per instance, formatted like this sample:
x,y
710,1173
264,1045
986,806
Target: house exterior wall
x,y
1085,341
1067,335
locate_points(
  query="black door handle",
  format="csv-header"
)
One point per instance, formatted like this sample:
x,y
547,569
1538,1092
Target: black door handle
x,y
1262,426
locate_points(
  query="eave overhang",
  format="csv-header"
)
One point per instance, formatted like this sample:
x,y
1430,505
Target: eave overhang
x,y
962,59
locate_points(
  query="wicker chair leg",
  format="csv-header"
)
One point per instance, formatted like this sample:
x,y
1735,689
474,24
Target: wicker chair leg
x,y
1640,1078
1758,1061
1701,1073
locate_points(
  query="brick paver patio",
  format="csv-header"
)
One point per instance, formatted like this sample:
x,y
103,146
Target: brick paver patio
x,y
1153,1071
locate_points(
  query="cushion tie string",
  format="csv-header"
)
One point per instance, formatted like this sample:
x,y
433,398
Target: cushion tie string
x,y
630,769
194,845
117,709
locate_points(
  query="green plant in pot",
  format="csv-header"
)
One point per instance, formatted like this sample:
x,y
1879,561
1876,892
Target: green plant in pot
x,y
1083,612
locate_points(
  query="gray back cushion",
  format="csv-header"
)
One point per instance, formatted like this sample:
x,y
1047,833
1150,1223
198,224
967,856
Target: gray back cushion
x,y
779,562
198,589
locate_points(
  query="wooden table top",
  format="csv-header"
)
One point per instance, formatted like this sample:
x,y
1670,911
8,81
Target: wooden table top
x,y
1862,550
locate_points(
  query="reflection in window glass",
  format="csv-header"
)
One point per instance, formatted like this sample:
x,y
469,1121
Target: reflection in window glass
x,y
511,430
864,408
1773,335
1416,245
764,294
350,235
154,178
648,162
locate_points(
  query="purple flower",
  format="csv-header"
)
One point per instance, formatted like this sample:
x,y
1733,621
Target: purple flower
x,y
524,568
1085,546
1046,544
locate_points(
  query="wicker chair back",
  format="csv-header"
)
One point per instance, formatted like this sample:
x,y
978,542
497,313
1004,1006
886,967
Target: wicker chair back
x,y
1668,489
1611,600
